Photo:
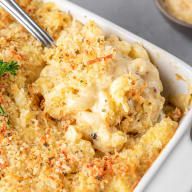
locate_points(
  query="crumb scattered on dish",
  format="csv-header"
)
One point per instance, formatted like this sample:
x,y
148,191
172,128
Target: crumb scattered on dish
x,y
87,115
179,77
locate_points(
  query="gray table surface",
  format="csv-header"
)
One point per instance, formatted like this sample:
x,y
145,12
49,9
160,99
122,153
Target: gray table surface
x,y
142,18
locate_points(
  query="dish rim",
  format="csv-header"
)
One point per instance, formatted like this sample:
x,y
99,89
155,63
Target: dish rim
x,y
186,121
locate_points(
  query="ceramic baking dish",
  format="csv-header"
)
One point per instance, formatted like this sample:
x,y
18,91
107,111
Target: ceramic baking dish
x,y
170,68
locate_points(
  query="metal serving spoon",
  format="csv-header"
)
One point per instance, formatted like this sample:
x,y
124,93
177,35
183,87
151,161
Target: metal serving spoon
x,y
162,7
21,16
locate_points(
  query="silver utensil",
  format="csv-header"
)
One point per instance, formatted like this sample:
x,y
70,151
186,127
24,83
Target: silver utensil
x,y
21,16
162,7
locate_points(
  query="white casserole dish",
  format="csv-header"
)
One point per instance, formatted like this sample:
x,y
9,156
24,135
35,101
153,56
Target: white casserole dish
x,y
168,66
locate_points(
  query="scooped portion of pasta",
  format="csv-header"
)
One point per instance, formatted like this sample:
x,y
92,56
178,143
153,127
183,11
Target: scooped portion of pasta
x,y
87,115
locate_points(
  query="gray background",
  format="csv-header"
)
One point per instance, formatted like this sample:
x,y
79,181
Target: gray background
x,y
142,18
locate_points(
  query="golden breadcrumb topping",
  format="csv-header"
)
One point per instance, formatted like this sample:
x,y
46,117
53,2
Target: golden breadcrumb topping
x,y
84,116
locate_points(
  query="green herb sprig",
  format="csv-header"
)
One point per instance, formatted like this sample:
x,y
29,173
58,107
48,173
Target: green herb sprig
x,y
8,67
2,112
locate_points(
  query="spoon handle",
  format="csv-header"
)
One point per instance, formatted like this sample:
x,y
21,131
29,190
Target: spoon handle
x,y
21,16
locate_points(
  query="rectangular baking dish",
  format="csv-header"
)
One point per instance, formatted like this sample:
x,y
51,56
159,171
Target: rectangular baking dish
x,y
169,67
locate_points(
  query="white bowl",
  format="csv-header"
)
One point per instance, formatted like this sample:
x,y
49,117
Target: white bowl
x,y
168,66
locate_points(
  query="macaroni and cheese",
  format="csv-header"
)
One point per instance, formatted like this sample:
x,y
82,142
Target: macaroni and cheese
x,y
86,115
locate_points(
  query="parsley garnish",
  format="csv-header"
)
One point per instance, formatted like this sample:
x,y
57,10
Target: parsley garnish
x,y
2,112
8,67
103,110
